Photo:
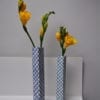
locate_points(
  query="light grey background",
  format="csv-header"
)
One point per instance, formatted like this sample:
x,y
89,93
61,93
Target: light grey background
x,y
80,16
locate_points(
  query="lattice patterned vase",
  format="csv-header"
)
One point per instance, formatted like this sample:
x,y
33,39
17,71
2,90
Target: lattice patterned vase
x,y
38,73
60,78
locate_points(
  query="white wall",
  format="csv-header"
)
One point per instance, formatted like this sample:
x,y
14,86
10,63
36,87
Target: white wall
x,y
80,16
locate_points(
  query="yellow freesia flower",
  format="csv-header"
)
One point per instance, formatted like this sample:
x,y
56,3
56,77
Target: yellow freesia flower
x,y
24,17
65,39
69,40
58,36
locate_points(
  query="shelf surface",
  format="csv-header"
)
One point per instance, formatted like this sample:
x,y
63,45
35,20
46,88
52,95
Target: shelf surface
x,y
31,98
16,76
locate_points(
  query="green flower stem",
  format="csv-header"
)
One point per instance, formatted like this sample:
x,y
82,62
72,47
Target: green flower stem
x,y
25,29
41,41
62,47
63,51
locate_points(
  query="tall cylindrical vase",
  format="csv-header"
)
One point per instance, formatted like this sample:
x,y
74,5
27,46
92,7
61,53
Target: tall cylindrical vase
x,y
60,78
38,73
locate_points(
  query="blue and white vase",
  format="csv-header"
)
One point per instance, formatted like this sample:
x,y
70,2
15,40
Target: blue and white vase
x,y
38,73
60,78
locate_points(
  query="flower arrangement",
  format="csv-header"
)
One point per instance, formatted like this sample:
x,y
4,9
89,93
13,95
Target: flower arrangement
x,y
65,39
62,35
25,16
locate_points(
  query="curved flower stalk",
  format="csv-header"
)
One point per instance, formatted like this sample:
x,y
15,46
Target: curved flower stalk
x,y
24,16
44,26
65,39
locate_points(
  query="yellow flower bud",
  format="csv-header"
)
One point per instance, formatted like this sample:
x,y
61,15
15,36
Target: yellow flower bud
x,y
23,6
58,36
20,2
41,31
24,17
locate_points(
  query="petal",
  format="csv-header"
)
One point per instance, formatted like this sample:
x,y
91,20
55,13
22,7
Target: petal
x,y
58,36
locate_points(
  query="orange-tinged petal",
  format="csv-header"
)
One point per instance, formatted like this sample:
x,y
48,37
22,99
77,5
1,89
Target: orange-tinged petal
x,y
58,36
69,40
74,41
24,17
65,45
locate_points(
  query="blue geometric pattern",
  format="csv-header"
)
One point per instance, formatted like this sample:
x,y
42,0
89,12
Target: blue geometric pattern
x,y
60,78
38,73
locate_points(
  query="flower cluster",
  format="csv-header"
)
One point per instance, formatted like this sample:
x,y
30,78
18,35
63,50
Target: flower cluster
x,y
65,39
25,16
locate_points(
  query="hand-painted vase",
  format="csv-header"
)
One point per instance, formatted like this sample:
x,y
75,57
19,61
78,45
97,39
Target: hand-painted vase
x,y
60,78
38,73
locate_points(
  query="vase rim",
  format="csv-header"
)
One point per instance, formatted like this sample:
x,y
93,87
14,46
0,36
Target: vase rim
x,y
61,56
38,47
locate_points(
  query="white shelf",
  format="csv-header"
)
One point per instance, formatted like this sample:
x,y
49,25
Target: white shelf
x,y
16,76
